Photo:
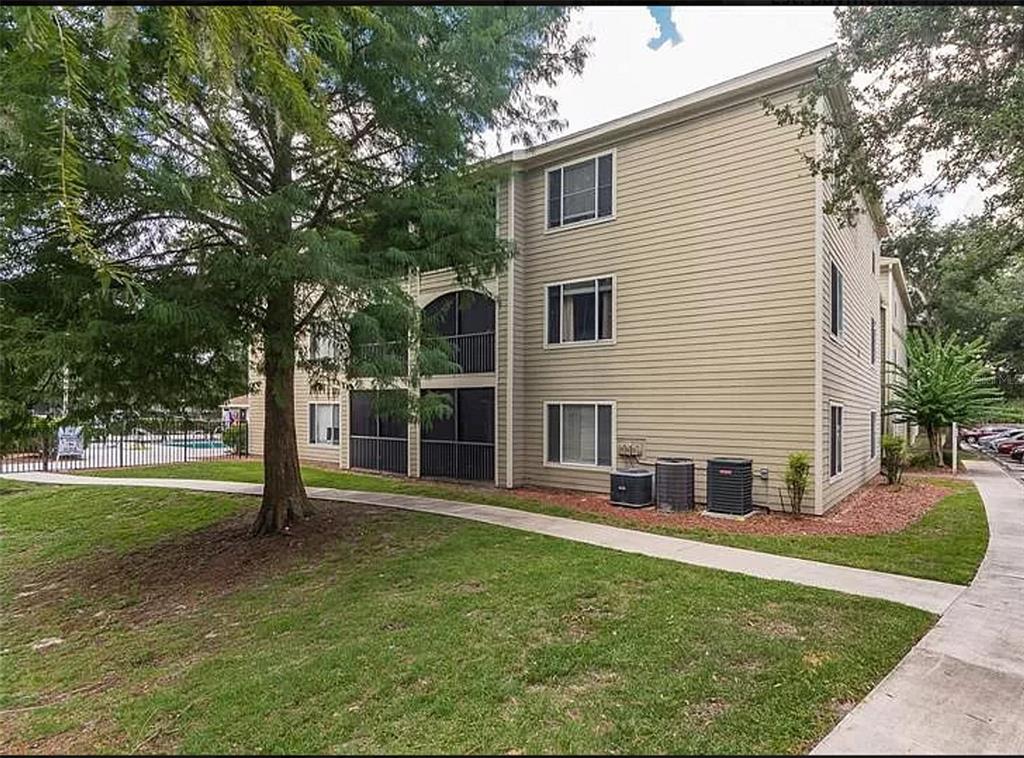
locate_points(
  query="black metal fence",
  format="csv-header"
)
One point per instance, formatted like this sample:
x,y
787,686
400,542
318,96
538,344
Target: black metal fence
x,y
123,443
379,453
473,461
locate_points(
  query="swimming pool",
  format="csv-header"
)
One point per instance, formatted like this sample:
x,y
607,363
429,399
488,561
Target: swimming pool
x,y
198,444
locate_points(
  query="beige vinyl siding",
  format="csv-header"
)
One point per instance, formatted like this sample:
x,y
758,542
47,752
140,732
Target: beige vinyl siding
x,y
518,356
327,454
322,454
849,378
896,332
712,250
257,403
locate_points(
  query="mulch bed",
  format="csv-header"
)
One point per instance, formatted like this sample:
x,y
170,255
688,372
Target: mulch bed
x,y
875,508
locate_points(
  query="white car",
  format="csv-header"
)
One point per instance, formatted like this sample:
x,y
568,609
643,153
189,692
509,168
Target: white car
x,y
990,443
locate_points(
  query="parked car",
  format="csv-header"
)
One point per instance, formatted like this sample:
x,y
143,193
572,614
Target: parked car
x,y
994,443
974,434
1018,453
1008,446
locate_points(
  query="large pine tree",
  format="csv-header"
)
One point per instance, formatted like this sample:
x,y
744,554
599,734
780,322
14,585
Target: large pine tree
x,y
232,176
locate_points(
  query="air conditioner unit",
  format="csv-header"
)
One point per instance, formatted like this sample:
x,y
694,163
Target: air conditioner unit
x,y
632,487
730,486
673,484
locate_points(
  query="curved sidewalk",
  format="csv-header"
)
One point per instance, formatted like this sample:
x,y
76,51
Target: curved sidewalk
x,y
926,594
960,690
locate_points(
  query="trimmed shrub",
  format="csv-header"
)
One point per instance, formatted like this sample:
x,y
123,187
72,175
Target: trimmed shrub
x,y
895,458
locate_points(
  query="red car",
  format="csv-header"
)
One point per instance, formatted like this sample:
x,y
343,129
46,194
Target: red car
x,y
1018,453
1006,448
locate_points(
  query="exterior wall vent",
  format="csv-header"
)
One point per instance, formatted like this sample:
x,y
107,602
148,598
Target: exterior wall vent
x,y
673,483
632,487
730,486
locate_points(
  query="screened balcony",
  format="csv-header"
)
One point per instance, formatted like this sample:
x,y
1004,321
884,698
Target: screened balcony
x,y
462,445
376,441
465,320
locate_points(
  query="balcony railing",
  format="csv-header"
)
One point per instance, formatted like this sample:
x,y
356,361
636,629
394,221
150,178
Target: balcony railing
x,y
473,353
473,461
379,454
386,354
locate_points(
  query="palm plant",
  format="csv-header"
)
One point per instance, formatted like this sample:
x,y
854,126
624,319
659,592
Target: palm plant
x,y
945,380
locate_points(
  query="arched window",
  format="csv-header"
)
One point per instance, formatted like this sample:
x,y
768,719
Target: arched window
x,y
465,319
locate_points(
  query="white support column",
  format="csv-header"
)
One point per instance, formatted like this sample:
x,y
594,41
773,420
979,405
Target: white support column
x,y
955,444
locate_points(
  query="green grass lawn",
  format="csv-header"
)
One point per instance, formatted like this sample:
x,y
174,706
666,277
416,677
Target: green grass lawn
x,y
947,544
401,632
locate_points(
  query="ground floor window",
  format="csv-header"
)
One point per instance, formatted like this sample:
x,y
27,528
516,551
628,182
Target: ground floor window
x,y
324,423
579,433
874,433
835,440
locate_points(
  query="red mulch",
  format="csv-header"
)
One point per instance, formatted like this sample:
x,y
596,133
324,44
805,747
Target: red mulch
x,y
875,508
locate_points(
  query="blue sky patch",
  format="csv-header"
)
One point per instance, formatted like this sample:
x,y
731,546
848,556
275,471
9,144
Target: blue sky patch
x,y
666,26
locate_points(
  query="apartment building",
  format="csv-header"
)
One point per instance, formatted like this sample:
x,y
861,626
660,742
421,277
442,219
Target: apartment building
x,y
676,290
894,322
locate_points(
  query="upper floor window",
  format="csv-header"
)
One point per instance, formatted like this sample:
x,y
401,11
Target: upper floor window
x,y
322,346
837,301
580,191
579,311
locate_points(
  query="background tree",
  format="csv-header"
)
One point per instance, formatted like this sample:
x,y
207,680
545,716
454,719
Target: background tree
x,y
945,380
936,104
251,175
967,278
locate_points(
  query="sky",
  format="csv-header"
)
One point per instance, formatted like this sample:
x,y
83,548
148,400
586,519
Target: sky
x,y
645,55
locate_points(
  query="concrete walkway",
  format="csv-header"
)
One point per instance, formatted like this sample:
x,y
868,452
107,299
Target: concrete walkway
x,y
928,595
960,690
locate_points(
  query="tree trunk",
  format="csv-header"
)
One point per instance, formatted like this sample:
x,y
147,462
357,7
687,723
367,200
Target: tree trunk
x,y
284,495
934,450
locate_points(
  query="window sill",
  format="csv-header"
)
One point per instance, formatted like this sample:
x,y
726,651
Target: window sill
x,y
580,467
578,224
579,343
835,478
325,445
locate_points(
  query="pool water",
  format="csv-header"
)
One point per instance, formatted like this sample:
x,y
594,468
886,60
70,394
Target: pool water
x,y
199,444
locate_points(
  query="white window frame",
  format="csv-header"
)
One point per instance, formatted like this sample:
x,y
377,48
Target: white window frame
x,y
331,445
873,435
842,450
597,435
837,335
585,343
590,221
